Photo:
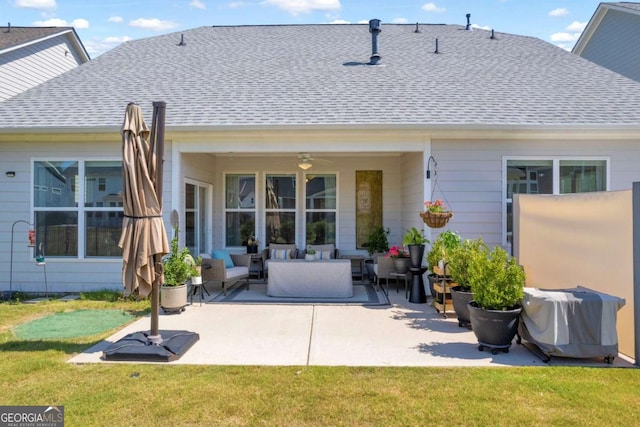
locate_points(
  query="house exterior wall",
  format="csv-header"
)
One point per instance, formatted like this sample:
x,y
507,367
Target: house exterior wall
x,y
26,67
470,175
469,179
613,45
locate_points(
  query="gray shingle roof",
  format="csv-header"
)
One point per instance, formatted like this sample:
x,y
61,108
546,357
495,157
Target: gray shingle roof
x,y
14,36
316,75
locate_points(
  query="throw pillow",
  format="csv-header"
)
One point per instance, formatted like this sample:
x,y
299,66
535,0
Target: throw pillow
x,y
280,254
323,255
224,255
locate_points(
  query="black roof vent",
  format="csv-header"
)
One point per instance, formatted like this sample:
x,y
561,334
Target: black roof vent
x,y
417,28
374,29
182,42
468,28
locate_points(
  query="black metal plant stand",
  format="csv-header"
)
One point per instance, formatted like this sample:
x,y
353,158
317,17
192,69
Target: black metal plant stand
x,y
417,294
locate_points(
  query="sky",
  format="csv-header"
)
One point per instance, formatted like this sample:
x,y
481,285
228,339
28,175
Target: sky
x,y
104,24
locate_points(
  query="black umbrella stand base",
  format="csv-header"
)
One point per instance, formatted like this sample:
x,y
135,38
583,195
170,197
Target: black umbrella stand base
x,y
136,347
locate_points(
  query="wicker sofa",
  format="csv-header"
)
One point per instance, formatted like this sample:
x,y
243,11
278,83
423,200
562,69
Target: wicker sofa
x,y
214,270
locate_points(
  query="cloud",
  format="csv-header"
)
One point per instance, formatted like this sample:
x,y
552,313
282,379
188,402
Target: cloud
x,y
115,19
564,37
236,4
399,21
431,7
114,39
339,21
295,7
561,11
478,27
154,24
576,26
80,23
36,4
198,4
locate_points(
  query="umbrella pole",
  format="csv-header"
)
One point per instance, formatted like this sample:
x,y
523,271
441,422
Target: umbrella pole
x,y
157,141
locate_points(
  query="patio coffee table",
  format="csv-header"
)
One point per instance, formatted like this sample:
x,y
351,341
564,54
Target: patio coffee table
x,y
316,279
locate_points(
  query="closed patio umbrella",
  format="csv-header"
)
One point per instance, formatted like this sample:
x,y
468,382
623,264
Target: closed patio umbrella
x,y
144,239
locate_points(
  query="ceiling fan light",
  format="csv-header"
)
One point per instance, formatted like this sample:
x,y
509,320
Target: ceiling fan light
x,y
304,165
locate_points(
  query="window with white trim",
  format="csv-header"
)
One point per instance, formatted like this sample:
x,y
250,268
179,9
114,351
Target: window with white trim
x,y
78,207
280,208
240,208
320,208
551,176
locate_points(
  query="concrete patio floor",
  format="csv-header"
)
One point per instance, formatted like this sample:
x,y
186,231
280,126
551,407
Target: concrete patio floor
x,y
402,334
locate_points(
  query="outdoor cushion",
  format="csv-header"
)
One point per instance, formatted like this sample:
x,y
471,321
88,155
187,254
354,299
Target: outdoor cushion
x,y
324,254
280,254
321,249
224,255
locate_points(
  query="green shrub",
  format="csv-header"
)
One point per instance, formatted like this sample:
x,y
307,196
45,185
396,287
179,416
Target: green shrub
x,y
442,247
496,279
459,260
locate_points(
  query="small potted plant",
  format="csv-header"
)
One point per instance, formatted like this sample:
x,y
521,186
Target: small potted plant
x,y
416,241
400,258
179,266
196,279
310,254
498,283
252,244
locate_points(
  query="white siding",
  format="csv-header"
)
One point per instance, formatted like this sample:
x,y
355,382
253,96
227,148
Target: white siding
x,y
24,68
470,176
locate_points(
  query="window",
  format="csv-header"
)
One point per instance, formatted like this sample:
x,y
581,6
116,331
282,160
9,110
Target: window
x,y
321,208
78,207
240,208
280,209
551,176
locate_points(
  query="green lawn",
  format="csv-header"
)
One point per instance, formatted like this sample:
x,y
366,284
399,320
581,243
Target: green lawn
x,y
35,373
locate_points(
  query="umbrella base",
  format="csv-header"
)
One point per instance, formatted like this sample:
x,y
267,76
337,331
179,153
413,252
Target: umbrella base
x,y
136,347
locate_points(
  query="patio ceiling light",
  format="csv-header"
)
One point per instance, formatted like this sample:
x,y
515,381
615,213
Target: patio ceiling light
x,y
305,164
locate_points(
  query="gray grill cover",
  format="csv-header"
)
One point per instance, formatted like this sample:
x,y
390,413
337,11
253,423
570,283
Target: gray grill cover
x,y
575,322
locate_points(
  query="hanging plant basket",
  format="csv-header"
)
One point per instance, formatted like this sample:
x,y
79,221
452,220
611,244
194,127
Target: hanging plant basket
x,y
436,219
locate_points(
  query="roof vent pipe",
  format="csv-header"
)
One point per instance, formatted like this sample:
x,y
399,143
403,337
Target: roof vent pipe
x,y
8,27
437,50
417,28
468,28
493,35
374,29
182,42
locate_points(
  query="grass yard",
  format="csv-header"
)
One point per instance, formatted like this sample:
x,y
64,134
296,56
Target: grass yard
x,y
35,373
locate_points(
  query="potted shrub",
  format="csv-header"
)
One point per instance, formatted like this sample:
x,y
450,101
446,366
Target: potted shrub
x,y
461,293
377,243
179,266
440,250
498,283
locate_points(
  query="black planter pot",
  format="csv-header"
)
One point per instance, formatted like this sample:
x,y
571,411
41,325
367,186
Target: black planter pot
x,y
432,279
416,254
460,300
252,249
494,329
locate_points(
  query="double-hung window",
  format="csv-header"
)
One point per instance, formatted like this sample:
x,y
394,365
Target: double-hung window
x,y
78,208
240,208
526,175
321,208
280,208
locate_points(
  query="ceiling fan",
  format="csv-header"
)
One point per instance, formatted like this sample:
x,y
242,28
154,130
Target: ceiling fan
x,y
304,161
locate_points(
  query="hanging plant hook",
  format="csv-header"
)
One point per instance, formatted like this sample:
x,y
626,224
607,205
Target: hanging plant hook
x,y
435,167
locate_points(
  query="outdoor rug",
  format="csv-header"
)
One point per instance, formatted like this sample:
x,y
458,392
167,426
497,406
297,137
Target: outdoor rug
x,y
72,324
363,294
